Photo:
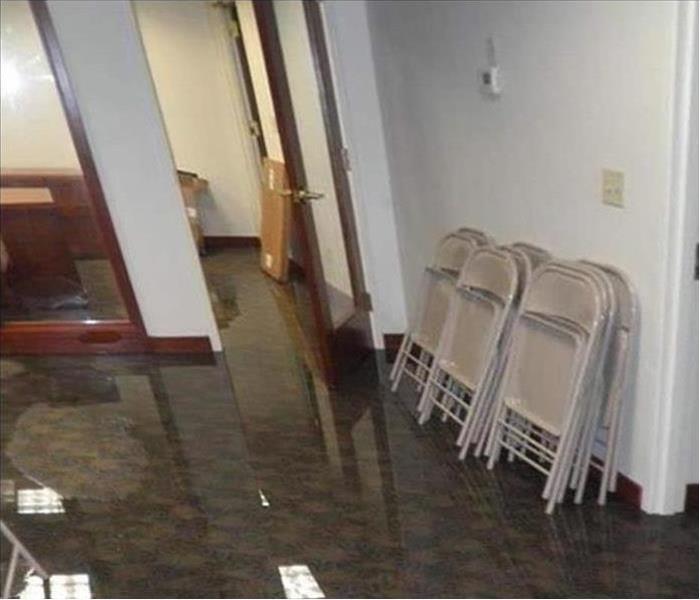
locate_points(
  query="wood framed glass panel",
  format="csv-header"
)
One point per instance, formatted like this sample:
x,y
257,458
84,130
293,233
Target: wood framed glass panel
x,y
64,284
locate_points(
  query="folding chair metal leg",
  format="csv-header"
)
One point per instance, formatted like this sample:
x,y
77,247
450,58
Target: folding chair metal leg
x,y
18,549
401,362
10,576
397,365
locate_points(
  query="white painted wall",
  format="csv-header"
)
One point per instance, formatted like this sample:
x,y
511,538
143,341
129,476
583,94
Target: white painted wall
x,y
587,85
193,69
258,74
350,49
107,65
34,131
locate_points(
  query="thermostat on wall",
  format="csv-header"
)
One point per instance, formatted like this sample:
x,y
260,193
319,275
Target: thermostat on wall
x,y
491,81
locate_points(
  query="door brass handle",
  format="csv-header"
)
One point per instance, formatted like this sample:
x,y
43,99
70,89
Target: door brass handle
x,y
302,196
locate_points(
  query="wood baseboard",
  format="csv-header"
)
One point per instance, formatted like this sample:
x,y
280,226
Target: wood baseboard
x,y
691,497
392,343
214,242
115,337
180,345
628,491
27,338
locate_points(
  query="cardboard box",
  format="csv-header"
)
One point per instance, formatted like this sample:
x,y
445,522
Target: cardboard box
x,y
276,220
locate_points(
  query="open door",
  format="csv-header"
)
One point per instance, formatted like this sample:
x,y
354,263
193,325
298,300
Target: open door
x,y
330,293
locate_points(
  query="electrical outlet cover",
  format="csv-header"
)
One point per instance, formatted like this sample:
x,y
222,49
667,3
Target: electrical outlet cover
x,y
614,188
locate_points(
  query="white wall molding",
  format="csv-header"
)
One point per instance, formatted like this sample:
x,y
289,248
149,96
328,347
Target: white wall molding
x,y
666,492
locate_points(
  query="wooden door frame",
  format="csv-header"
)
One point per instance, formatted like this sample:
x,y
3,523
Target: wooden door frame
x,y
249,90
342,346
77,337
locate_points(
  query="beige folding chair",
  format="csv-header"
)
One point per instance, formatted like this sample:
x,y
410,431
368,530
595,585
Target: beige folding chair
x,y
19,551
484,420
420,341
592,406
616,372
466,357
542,403
536,254
483,239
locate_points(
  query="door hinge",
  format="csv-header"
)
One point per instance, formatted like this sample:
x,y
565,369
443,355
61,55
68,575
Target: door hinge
x,y
365,302
345,157
254,128
233,28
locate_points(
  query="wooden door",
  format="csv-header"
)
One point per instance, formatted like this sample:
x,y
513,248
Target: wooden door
x,y
331,297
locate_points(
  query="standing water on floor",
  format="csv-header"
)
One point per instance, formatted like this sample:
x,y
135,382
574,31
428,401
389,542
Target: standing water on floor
x,y
243,476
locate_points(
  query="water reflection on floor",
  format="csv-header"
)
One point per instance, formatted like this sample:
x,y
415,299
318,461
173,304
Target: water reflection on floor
x,y
158,478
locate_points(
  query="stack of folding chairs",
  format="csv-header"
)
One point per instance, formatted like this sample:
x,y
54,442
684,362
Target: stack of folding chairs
x,y
420,342
527,355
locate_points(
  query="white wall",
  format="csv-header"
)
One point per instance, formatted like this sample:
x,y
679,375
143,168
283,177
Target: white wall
x,y
35,133
587,86
107,65
192,65
258,74
350,49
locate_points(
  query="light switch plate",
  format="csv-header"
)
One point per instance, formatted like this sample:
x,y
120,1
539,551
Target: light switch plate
x,y
614,188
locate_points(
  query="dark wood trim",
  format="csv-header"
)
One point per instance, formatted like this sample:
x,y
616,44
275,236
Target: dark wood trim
x,y
302,215
628,491
336,145
55,337
353,339
392,343
248,83
180,345
213,242
691,497
105,337
349,343
295,269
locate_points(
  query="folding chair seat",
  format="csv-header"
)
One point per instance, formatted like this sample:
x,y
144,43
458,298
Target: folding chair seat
x,y
467,356
420,341
544,402
615,376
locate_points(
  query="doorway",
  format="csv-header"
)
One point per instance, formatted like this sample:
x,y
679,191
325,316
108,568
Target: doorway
x,y
281,105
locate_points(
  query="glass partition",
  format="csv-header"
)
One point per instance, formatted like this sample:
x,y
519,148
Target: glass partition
x,y
55,264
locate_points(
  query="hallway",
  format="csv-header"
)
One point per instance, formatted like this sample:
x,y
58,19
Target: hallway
x,y
186,477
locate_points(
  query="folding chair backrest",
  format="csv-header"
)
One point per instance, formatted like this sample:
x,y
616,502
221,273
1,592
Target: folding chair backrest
x,y
482,239
536,254
565,293
624,330
625,295
453,251
553,337
525,268
485,292
438,288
